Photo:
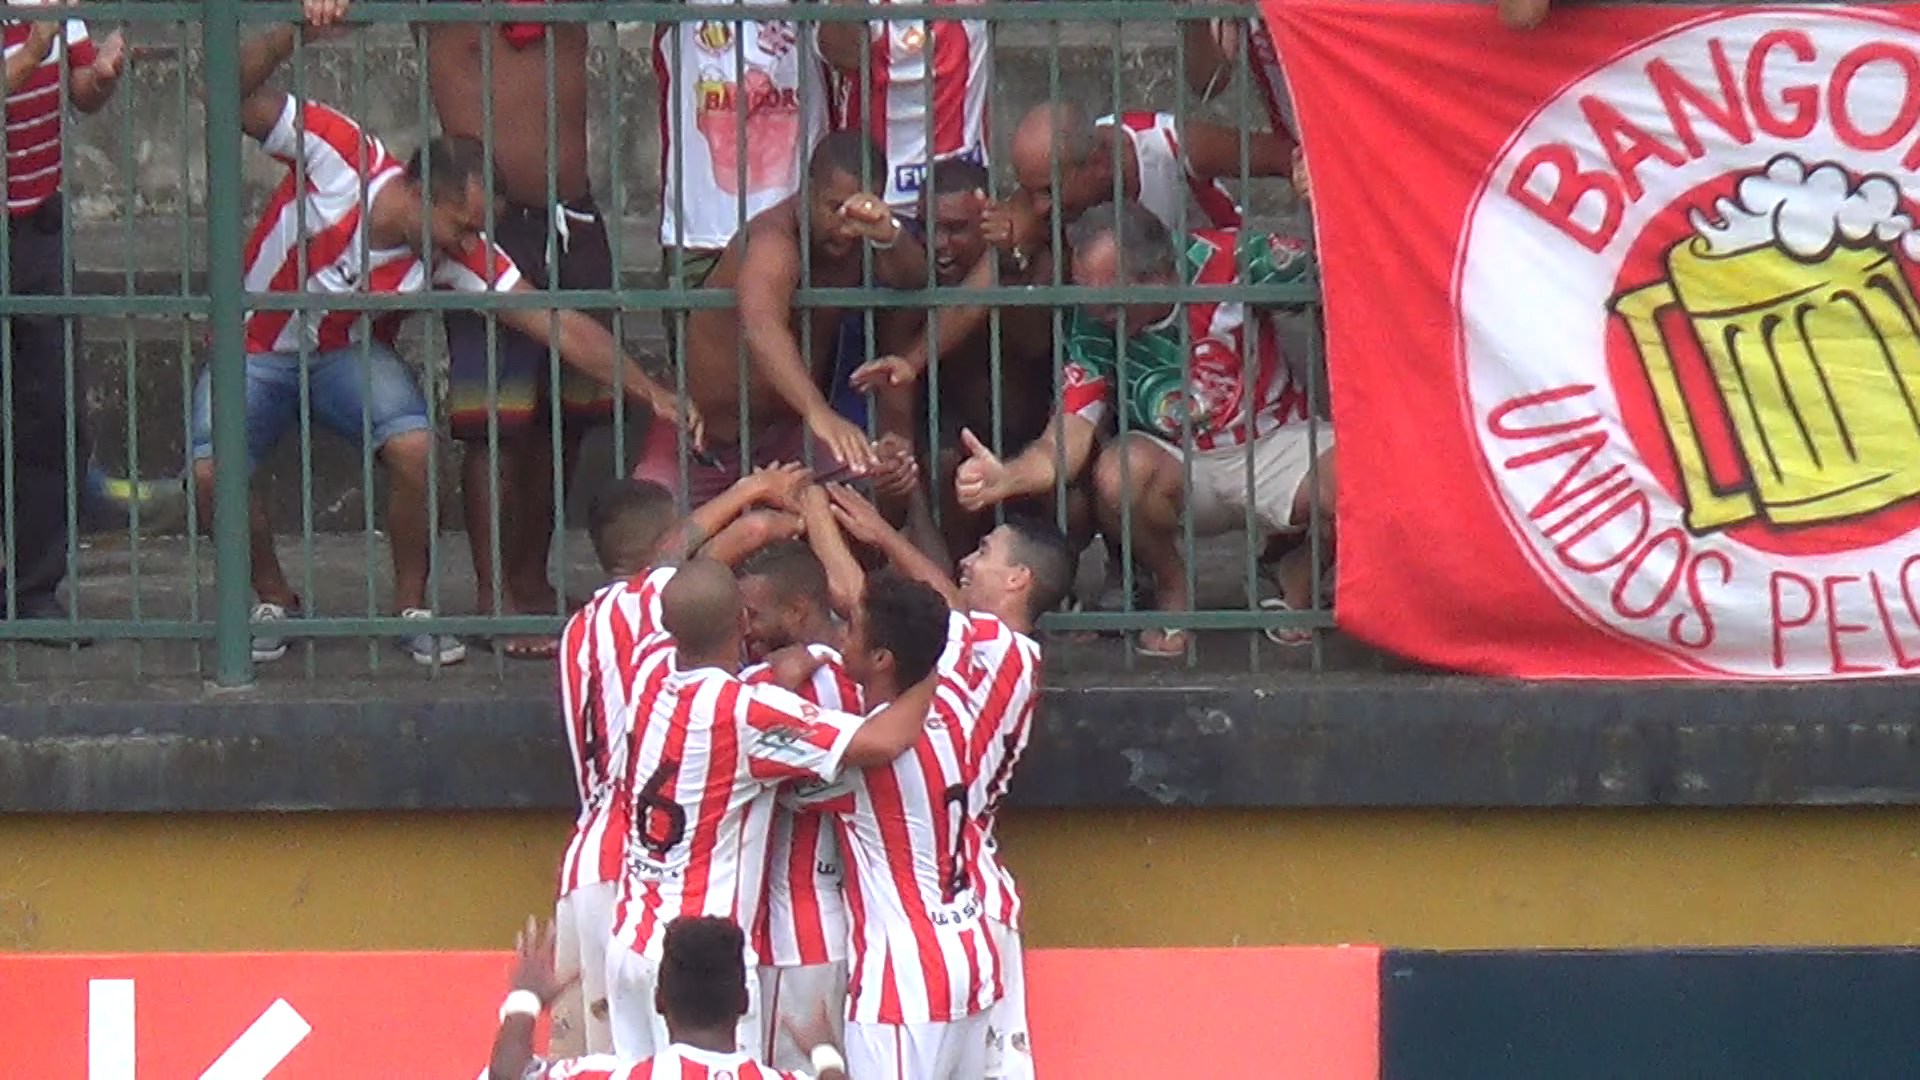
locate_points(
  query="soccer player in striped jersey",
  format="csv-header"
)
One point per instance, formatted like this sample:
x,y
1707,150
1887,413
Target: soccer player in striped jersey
x,y
800,937
925,968
791,592
349,219
1021,570
702,994
705,758
637,537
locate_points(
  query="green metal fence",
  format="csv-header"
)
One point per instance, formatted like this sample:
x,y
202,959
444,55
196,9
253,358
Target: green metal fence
x,y
176,604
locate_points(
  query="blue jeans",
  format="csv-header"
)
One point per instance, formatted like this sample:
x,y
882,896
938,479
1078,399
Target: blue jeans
x,y
349,394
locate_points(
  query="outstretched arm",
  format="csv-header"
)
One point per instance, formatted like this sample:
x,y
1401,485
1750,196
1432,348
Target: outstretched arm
x,y
535,986
769,274
846,581
983,480
893,730
706,530
590,348
863,522
261,105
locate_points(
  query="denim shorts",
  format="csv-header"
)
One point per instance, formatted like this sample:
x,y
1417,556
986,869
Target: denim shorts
x,y
349,393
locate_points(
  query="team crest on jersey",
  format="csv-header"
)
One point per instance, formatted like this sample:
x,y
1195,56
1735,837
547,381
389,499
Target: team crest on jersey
x,y
784,743
1710,407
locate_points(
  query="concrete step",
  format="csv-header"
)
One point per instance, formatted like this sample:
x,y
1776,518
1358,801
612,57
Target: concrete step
x,y
145,153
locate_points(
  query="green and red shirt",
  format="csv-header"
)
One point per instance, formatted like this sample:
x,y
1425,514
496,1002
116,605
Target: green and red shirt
x,y
1221,370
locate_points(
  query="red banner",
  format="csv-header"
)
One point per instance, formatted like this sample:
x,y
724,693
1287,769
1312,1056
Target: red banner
x,y
1119,1014
1622,332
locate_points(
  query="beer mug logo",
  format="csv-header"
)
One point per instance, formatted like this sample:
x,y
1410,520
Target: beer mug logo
x,y
1795,293
714,36
1689,345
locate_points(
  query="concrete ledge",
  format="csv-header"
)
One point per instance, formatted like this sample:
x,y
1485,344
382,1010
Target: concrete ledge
x,y
1292,741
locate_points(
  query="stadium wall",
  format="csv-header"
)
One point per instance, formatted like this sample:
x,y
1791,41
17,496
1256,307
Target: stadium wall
x,y
1103,878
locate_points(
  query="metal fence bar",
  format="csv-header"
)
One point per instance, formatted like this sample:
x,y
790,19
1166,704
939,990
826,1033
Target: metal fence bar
x,y
224,304
220,41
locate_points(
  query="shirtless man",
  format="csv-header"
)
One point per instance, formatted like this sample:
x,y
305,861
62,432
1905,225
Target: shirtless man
x,y
970,237
536,219
790,349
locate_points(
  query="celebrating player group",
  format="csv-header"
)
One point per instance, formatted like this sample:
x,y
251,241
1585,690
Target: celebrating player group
x,y
789,770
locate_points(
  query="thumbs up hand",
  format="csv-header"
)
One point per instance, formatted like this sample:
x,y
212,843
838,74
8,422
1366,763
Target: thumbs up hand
x,y
982,480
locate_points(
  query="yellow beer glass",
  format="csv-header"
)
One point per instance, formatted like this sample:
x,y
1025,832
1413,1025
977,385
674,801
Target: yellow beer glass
x,y
1817,365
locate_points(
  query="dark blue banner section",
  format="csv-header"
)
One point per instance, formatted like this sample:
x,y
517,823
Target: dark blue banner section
x,y
1738,1015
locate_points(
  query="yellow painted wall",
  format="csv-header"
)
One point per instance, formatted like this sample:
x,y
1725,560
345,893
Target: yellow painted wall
x,y
99,883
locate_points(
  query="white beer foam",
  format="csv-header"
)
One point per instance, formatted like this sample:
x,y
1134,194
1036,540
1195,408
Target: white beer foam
x,y
1807,213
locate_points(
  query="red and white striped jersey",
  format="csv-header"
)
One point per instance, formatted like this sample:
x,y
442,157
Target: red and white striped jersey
x,y
916,67
706,755
676,1062
1166,180
33,116
804,919
600,677
921,949
998,667
312,237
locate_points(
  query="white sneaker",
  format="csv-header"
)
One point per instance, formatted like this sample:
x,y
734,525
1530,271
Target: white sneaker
x,y
428,648
270,644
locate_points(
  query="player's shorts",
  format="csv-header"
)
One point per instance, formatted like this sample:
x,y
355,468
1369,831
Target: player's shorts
x,y
784,441
1282,462
797,996
583,922
955,1050
1009,1048
639,1031
523,379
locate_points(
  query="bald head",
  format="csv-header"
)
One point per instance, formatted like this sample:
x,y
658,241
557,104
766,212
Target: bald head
x,y
1058,130
700,607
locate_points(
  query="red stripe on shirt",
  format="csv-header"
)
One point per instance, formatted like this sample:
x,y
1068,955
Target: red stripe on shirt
x,y
675,747
951,63
713,798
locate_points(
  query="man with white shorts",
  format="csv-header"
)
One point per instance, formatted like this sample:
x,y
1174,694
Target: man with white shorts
x,y
637,535
1020,570
706,754
1205,387
925,969
801,935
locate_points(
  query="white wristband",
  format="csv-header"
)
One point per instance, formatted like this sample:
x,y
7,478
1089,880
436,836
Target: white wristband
x,y
897,230
827,1059
521,1003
